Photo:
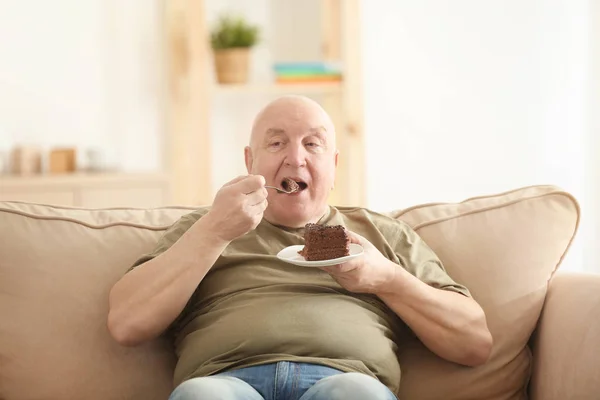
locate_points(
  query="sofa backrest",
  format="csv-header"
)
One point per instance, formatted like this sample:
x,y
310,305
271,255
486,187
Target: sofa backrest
x,y
58,264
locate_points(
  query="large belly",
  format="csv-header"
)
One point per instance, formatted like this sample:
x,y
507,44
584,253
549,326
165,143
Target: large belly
x,y
328,325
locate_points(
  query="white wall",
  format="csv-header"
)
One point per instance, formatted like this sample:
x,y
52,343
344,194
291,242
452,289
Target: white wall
x,y
84,74
593,157
472,97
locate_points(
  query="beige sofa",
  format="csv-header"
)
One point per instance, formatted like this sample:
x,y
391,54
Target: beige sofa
x,y
58,264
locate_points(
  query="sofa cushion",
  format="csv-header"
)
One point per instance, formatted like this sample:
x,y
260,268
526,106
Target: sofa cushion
x,y
504,248
57,266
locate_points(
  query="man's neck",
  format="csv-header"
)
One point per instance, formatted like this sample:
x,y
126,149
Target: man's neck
x,y
320,217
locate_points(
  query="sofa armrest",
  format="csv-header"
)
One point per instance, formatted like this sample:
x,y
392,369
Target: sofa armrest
x,y
567,340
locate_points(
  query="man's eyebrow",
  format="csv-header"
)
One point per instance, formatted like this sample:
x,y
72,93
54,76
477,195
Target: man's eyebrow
x,y
320,132
318,129
274,131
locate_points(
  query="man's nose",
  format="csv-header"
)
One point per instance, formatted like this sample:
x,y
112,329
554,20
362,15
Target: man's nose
x,y
296,157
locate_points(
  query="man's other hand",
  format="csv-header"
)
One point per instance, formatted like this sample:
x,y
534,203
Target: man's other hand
x,y
238,207
364,274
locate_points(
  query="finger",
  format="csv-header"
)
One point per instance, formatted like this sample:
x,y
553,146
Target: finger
x,y
235,180
355,237
256,197
261,207
332,269
250,184
258,208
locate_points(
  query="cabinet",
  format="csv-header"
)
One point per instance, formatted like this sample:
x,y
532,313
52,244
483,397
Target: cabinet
x,y
88,190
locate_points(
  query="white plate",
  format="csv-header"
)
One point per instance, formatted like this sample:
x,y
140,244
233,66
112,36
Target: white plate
x,y
290,255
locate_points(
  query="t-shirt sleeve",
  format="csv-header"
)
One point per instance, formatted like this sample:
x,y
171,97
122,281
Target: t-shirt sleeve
x,y
421,261
169,237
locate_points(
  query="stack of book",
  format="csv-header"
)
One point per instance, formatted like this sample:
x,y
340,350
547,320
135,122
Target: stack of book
x,y
307,72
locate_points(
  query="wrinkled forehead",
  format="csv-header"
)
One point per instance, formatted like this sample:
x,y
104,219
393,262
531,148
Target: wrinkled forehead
x,y
295,118
319,131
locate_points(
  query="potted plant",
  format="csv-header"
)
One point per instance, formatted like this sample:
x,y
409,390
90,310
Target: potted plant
x,y
231,41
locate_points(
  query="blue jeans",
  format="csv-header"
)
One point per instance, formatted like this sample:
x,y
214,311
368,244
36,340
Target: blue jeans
x,y
283,381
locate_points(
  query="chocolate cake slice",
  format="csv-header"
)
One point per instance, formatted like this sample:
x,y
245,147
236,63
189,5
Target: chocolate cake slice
x,y
290,185
323,242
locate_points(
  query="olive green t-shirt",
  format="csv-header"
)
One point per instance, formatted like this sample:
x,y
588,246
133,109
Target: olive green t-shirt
x,y
252,308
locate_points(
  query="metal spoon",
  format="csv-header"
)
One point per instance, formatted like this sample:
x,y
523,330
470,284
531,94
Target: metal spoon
x,y
281,190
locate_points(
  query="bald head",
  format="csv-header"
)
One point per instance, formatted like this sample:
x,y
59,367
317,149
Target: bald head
x,y
294,109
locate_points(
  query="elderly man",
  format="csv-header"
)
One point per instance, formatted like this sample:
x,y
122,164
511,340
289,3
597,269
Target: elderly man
x,y
248,326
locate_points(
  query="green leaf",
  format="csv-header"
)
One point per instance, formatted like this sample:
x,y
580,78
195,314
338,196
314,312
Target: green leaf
x,y
231,32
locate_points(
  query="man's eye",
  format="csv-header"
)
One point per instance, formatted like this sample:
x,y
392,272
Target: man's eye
x,y
312,144
275,144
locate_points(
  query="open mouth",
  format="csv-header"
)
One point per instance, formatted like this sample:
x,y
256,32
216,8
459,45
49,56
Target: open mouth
x,y
293,185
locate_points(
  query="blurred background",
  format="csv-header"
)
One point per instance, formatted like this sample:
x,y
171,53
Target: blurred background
x,y
149,103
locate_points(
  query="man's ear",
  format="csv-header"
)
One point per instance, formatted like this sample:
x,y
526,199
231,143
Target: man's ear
x,y
248,158
335,161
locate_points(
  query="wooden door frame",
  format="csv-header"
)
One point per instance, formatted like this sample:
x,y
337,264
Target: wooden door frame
x,y
187,155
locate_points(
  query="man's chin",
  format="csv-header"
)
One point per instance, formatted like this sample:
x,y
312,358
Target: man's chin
x,y
289,217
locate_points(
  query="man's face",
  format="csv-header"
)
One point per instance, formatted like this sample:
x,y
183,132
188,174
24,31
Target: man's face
x,y
294,139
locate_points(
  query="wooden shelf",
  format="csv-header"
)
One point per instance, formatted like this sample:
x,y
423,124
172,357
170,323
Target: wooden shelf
x,y
281,88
